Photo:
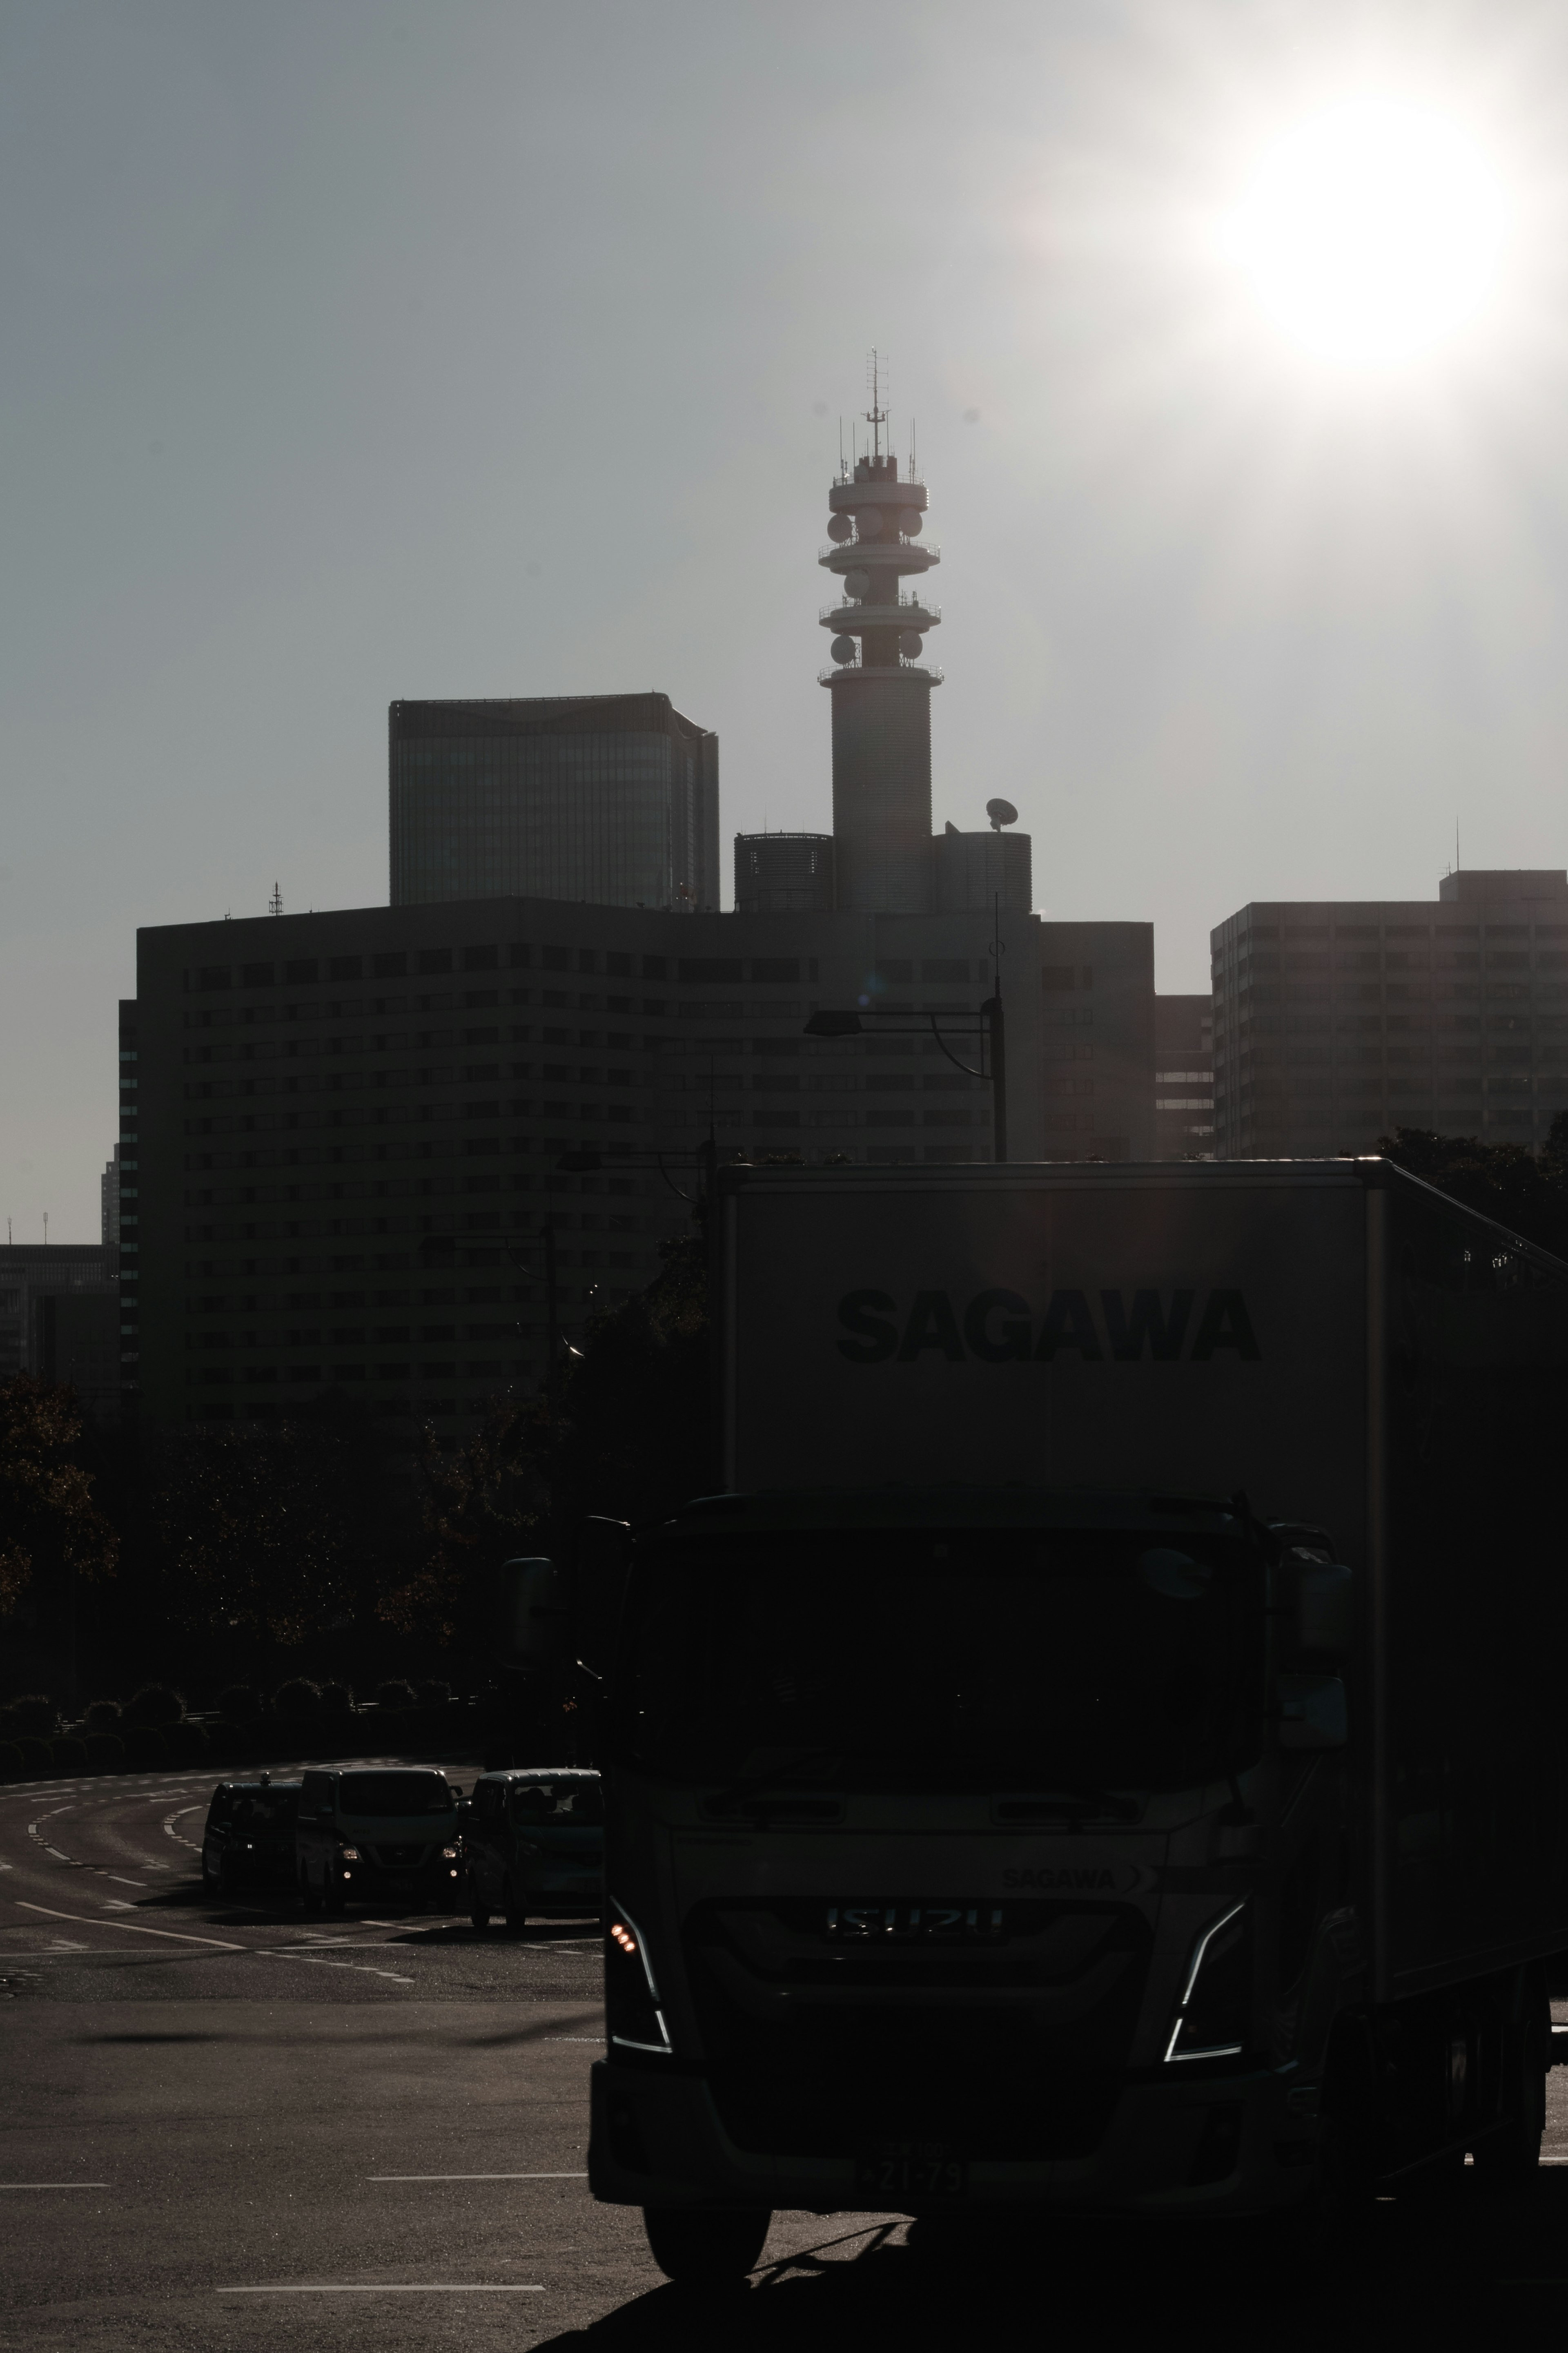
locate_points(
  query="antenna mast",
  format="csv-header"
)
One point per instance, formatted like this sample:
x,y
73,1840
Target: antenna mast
x,y
876,416
275,904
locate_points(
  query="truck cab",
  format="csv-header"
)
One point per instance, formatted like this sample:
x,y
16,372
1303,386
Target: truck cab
x,y
940,1868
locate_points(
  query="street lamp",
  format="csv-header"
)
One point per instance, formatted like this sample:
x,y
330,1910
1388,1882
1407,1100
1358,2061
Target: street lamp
x,y
984,1025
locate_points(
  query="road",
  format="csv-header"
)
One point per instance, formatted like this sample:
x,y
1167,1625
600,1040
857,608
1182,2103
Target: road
x,y
227,2125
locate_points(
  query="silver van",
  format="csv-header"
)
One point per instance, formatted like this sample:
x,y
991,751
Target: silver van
x,y
533,1843
365,1832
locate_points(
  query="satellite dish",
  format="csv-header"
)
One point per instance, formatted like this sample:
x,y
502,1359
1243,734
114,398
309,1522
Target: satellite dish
x,y
868,523
911,644
839,529
844,650
857,584
1000,813
910,521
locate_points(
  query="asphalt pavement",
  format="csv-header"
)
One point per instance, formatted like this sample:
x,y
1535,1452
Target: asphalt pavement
x,y
224,2125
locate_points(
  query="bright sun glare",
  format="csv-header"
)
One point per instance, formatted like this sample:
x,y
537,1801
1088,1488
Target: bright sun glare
x,y
1372,233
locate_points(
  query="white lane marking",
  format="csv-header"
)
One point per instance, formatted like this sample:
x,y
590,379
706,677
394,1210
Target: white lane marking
x,y
399,2288
178,1836
54,2185
476,2176
177,1935
292,1953
121,1882
572,2037
116,1904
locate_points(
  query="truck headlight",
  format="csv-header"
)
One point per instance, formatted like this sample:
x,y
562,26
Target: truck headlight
x,y
1215,2007
633,2010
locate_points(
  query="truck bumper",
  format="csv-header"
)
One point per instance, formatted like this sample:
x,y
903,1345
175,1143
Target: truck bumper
x,y
1238,2146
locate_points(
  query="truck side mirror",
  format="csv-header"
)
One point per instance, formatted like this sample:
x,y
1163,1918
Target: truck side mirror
x,y
1313,1713
1325,1598
537,1613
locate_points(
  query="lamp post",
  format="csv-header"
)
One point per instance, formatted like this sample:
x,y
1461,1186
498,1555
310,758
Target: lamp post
x,y
987,1029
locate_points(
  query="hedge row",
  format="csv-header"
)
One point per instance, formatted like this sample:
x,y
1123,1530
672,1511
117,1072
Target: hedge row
x,y
147,1749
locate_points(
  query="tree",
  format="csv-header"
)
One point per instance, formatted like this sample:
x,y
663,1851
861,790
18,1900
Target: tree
x,y
1506,1181
621,1429
281,1532
50,1527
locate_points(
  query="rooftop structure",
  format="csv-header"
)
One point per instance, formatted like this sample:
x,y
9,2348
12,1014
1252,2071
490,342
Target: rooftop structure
x,y
610,799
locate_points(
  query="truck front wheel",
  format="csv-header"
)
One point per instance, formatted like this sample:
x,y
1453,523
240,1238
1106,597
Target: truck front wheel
x,y
702,2248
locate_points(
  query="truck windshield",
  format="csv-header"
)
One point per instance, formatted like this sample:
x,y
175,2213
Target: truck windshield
x,y
1027,1658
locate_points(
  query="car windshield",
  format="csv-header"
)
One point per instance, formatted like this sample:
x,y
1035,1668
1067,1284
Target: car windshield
x,y
395,1793
546,1803
1045,1660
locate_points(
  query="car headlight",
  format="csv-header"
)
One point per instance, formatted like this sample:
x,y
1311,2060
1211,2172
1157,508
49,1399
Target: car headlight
x,y
348,1854
1215,2007
449,1853
634,2012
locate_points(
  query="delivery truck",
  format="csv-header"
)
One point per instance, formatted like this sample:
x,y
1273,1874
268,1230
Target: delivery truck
x,y
1103,1748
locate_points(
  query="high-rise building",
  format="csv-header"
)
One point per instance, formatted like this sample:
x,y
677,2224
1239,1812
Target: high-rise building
x,y
109,1200
1336,1022
353,1123
1184,1078
610,799
128,1205
783,873
59,1320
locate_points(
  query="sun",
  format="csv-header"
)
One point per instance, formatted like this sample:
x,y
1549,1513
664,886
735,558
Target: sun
x,y
1372,234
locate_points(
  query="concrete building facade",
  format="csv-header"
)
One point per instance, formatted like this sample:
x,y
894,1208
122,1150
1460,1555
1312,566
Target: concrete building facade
x,y
1336,1022
350,1124
1184,1078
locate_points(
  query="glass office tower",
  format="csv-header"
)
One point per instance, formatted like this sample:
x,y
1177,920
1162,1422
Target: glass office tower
x,y
607,798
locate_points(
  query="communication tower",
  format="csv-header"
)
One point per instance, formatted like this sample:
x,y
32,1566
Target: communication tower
x,y
880,687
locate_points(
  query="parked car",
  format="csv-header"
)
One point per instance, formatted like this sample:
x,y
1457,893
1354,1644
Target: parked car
x,y
367,1834
248,1841
535,1845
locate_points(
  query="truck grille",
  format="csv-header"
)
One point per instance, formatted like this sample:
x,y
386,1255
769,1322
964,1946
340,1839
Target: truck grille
x,y
1009,2045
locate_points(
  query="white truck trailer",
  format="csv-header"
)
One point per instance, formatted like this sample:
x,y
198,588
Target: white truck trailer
x,y
1104,1749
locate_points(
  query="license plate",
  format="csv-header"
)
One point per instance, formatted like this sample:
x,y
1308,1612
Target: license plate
x,y
911,2171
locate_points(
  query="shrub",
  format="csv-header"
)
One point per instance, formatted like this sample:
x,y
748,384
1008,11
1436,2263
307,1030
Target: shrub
x,y
433,1695
103,1715
10,1761
32,1713
394,1694
36,1756
237,1704
105,1752
337,1701
296,1705
154,1704
68,1753
146,1749
187,1743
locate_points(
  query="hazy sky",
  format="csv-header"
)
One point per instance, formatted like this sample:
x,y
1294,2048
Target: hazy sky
x,y
357,351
